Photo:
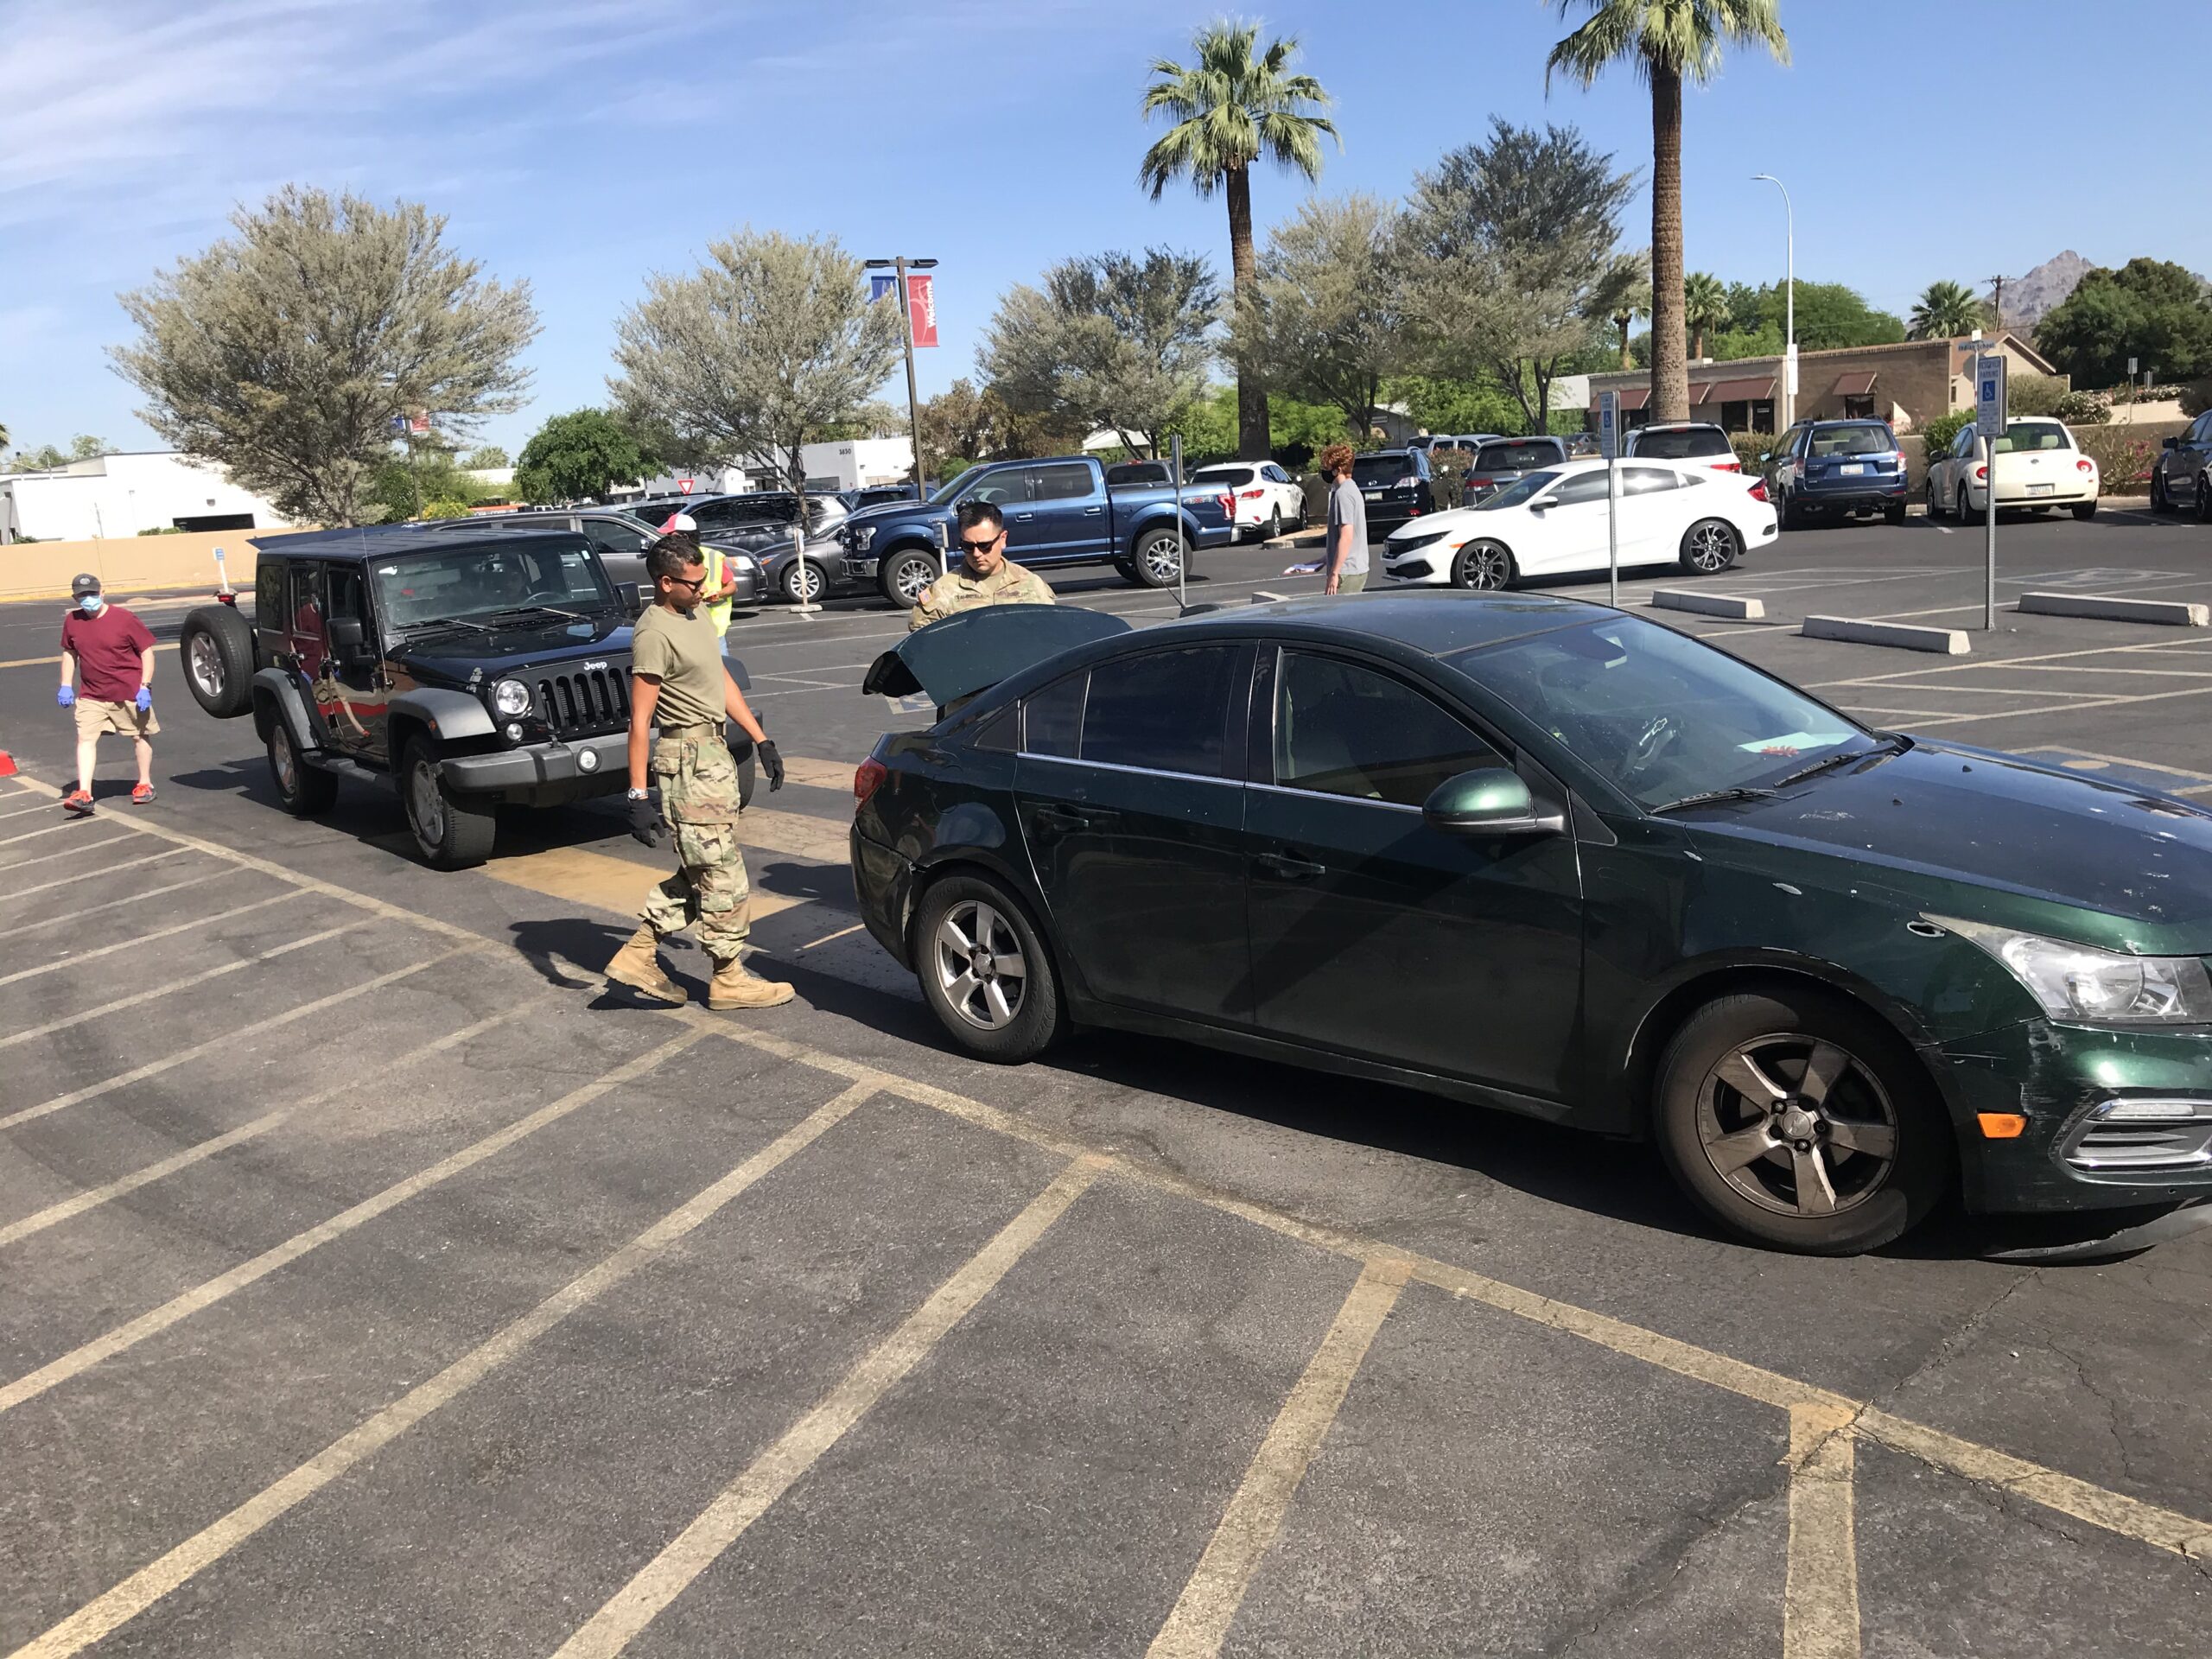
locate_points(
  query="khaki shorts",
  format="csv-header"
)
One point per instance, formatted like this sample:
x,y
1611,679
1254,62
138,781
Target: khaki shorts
x,y
1352,581
94,717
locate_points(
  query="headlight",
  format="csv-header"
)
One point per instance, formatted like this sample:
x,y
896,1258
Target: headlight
x,y
860,536
510,698
2079,982
1398,544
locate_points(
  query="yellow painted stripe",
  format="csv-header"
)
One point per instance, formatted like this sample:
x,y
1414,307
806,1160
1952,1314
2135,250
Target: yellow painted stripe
x,y
1820,1597
769,1476
1203,1613
97,1618
582,877
207,1294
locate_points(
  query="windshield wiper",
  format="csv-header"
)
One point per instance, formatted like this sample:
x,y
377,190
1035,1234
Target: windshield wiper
x,y
447,622
549,610
1828,762
1709,796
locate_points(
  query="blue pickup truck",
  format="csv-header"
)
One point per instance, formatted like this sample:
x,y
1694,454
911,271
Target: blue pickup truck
x,y
1058,512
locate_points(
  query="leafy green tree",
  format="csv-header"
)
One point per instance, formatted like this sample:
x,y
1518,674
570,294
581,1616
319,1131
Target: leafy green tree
x,y
2151,310
44,459
85,446
1234,105
1112,341
578,457
1452,403
1666,42
488,459
283,353
1633,300
1506,259
1946,310
1323,321
767,344
1831,315
1706,308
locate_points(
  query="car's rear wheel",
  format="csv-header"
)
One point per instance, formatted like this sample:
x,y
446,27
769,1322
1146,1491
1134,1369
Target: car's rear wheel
x,y
1793,515
1485,566
1710,546
451,832
303,790
2085,510
1965,506
1935,501
2204,498
985,971
1893,513
1798,1118
1158,559
1275,524
905,576
802,581
217,647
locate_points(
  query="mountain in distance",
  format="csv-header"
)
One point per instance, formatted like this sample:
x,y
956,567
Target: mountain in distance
x,y
2026,298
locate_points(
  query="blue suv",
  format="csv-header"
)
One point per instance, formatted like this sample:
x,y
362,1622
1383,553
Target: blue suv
x,y
1836,466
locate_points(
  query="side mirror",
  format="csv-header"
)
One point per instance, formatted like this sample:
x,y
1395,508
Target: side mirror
x,y
1489,801
2169,442
345,636
632,597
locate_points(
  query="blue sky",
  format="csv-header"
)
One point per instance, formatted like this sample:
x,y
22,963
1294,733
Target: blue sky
x,y
582,144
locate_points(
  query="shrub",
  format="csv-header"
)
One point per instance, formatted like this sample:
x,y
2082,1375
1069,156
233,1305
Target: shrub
x,y
1939,432
445,509
1749,445
2083,407
2122,460
2032,394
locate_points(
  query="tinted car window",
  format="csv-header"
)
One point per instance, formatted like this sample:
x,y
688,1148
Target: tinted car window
x,y
1053,718
1069,482
1232,476
1164,710
2024,436
1680,444
269,592
1342,729
1517,491
610,536
1002,487
1517,455
1136,472
1371,470
1860,438
1583,487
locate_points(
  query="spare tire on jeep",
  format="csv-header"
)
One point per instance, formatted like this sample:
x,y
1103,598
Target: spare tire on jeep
x,y
217,647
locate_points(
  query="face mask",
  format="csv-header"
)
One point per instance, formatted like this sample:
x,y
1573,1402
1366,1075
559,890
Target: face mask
x,y
90,601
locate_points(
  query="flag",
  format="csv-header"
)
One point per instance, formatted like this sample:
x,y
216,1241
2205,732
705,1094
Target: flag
x,y
921,309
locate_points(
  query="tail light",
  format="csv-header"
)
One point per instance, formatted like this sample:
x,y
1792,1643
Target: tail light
x,y
1728,465
2084,466
1981,472
1480,483
1228,505
230,599
1758,490
1252,495
867,780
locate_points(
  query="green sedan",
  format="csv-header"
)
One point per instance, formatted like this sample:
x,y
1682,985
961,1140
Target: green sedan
x,y
1529,854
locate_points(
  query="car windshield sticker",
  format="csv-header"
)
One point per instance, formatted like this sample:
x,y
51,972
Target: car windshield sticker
x,y
1792,742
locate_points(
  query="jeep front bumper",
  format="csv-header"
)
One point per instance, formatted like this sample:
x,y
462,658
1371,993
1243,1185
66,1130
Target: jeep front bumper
x,y
580,768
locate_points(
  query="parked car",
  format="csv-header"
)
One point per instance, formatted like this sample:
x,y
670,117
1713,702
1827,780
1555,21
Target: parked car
x,y
1553,522
620,537
2182,471
1698,441
1058,511
2037,466
1396,484
1470,441
1266,496
761,521
1580,445
468,671
1522,853
875,495
1499,464
1836,466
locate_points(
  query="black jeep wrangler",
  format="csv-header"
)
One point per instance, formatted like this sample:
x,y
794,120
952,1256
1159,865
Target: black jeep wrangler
x,y
470,672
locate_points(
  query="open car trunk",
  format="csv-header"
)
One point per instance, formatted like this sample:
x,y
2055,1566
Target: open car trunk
x,y
961,655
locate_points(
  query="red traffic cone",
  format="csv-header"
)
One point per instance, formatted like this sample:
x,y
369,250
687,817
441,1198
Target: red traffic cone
x,y
7,763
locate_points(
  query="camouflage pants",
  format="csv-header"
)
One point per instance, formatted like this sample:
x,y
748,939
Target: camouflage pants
x,y
698,796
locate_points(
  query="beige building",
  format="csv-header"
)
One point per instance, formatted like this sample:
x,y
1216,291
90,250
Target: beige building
x,y
1908,385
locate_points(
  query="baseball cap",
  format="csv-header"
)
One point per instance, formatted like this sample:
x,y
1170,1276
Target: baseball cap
x,y
679,522
81,585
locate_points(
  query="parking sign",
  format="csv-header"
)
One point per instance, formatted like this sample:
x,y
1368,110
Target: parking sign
x,y
1609,424
1989,397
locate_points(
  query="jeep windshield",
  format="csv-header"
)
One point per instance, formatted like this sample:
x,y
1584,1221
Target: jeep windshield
x,y
476,584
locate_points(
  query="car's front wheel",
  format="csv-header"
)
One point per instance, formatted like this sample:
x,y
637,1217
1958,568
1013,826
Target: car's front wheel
x,y
1798,1118
985,971
1710,546
907,575
451,832
2204,498
303,790
1482,565
802,581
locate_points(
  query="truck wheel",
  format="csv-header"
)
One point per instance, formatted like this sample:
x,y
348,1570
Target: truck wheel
x,y
451,832
303,790
905,576
217,650
1158,559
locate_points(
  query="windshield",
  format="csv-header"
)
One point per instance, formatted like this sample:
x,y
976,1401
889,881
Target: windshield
x,y
1232,476
1517,491
485,579
1681,444
2022,435
1515,457
1867,439
1381,469
1656,713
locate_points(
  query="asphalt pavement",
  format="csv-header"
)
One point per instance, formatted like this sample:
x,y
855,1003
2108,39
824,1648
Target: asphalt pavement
x,y
373,1280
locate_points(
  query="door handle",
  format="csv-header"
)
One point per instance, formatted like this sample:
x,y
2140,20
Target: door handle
x,y
1290,869
1022,517
1060,822
1092,512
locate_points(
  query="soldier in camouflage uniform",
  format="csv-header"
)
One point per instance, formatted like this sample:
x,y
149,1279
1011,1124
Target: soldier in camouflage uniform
x,y
985,575
679,684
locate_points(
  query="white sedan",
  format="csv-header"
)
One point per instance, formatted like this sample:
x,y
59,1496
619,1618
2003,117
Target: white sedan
x,y
1266,496
1553,523
2038,466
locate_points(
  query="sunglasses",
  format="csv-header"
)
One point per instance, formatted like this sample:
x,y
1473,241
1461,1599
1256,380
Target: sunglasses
x,y
694,583
984,546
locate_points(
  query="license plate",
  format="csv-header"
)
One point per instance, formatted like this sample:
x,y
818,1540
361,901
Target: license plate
x,y
2041,489
1853,467
1371,495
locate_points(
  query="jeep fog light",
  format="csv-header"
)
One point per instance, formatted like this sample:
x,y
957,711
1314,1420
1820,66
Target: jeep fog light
x,y
587,760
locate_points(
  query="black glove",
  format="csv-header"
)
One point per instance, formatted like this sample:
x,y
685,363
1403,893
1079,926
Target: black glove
x,y
646,823
771,762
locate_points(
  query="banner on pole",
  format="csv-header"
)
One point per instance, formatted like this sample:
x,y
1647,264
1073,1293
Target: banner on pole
x,y
921,309
878,284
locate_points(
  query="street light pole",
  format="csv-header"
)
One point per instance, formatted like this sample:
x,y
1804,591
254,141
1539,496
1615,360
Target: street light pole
x,y
900,267
1789,302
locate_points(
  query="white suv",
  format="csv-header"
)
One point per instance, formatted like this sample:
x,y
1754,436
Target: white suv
x,y
1266,497
1700,443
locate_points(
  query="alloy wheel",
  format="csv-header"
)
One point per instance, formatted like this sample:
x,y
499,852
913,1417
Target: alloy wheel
x,y
1486,566
282,761
913,580
427,803
1711,547
1162,560
1797,1125
980,967
205,665
803,583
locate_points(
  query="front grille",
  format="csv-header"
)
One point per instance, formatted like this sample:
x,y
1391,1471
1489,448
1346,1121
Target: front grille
x,y
2144,1135
585,701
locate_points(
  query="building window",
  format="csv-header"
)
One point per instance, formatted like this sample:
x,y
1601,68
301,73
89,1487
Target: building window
x,y
1763,415
1736,417
1859,409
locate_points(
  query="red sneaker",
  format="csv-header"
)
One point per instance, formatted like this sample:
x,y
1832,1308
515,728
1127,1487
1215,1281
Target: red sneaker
x,y
141,793
79,801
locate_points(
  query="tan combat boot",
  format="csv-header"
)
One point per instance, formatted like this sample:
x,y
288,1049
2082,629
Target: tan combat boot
x,y
737,986
637,964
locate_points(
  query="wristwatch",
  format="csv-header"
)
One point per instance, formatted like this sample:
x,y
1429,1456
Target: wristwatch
x,y
641,794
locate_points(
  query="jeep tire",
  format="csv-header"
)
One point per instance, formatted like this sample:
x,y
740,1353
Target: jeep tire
x,y
451,832
216,647
303,790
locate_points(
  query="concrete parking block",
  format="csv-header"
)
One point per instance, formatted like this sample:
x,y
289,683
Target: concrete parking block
x,y
2106,608
1905,636
1678,599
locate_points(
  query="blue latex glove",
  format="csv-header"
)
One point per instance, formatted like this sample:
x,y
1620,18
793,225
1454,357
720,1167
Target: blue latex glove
x,y
144,699
66,695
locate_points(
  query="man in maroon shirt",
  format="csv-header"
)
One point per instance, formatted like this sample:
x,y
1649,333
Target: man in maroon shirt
x,y
109,654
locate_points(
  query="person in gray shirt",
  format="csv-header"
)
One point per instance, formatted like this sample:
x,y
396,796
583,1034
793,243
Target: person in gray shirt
x,y
1345,560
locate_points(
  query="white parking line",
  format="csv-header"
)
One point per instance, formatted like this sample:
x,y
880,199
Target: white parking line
x,y
106,870
139,939
67,852
72,917
23,811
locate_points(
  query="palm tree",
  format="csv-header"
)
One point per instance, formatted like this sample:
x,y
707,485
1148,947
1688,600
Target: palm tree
x,y
1627,308
1231,109
1945,310
1705,307
1667,42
